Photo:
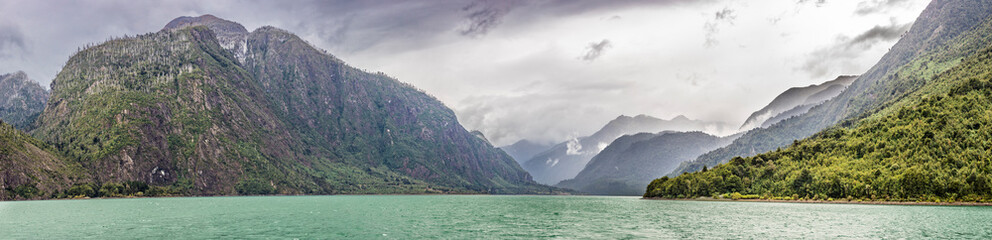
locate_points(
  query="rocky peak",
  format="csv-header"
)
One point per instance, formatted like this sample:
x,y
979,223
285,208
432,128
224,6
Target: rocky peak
x,y
231,35
20,99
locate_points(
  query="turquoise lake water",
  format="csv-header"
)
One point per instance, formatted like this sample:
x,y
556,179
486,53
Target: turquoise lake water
x,y
473,217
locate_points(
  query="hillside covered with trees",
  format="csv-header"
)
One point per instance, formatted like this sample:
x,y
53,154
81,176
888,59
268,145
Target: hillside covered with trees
x,y
932,143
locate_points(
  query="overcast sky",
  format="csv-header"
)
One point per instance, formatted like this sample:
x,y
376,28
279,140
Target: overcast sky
x,y
544,70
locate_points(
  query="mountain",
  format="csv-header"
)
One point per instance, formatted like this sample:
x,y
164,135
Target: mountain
x,y
523,150
565,160
923,52
632,161
192,109
929,143
21,99
796,98
30,169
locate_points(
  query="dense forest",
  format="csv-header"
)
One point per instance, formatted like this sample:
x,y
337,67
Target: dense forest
x,y
944,33
931,146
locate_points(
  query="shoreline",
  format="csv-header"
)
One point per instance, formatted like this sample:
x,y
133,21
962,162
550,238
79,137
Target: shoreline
x,y
290,195
897,203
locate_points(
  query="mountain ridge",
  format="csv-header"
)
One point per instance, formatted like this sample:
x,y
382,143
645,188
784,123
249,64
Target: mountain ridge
x,y
203,114
565,160
630,162
21,99
881,85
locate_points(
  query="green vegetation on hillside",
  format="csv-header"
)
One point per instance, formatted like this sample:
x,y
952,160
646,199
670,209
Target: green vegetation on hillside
x,y
946,32
181,113
926,147
30,169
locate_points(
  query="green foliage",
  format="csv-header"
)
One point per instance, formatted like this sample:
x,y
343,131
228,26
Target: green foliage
x,y
26,191
174,111
930,148
254,187
946,33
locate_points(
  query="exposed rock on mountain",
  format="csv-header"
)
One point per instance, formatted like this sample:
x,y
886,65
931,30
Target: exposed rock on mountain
x,y
186,107
21,100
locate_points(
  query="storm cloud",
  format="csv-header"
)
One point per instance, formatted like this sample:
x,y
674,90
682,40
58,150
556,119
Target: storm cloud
x,y
11,40
845,50
517,69
875,6
595,49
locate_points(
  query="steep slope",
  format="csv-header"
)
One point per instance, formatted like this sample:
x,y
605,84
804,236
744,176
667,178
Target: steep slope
x,y
21,99
935,147
565,160
30,169
923,52
178,108
231,35
170,108
631,162
369,119
523,150
808,97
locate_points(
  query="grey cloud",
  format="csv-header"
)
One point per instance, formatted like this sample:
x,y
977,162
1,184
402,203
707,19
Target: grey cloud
x,y
712,27
726,14
348,28
595,50
485,15
879,33
818,3
845,49
11,40
875,6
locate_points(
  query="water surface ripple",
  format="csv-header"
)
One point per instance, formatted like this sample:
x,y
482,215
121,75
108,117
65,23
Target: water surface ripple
x,y
460,217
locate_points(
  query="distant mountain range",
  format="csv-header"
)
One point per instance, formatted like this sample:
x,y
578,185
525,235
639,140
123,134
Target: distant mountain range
x,y
523,150
796,101
21,99
565,160
628,164
204,107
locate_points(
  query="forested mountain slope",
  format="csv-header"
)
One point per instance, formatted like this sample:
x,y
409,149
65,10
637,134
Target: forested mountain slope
x,y
30,169
932,143
259,113
926,50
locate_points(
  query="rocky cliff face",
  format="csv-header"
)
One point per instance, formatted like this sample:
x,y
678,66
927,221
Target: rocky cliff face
x,y
231,35
186,107
21,99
